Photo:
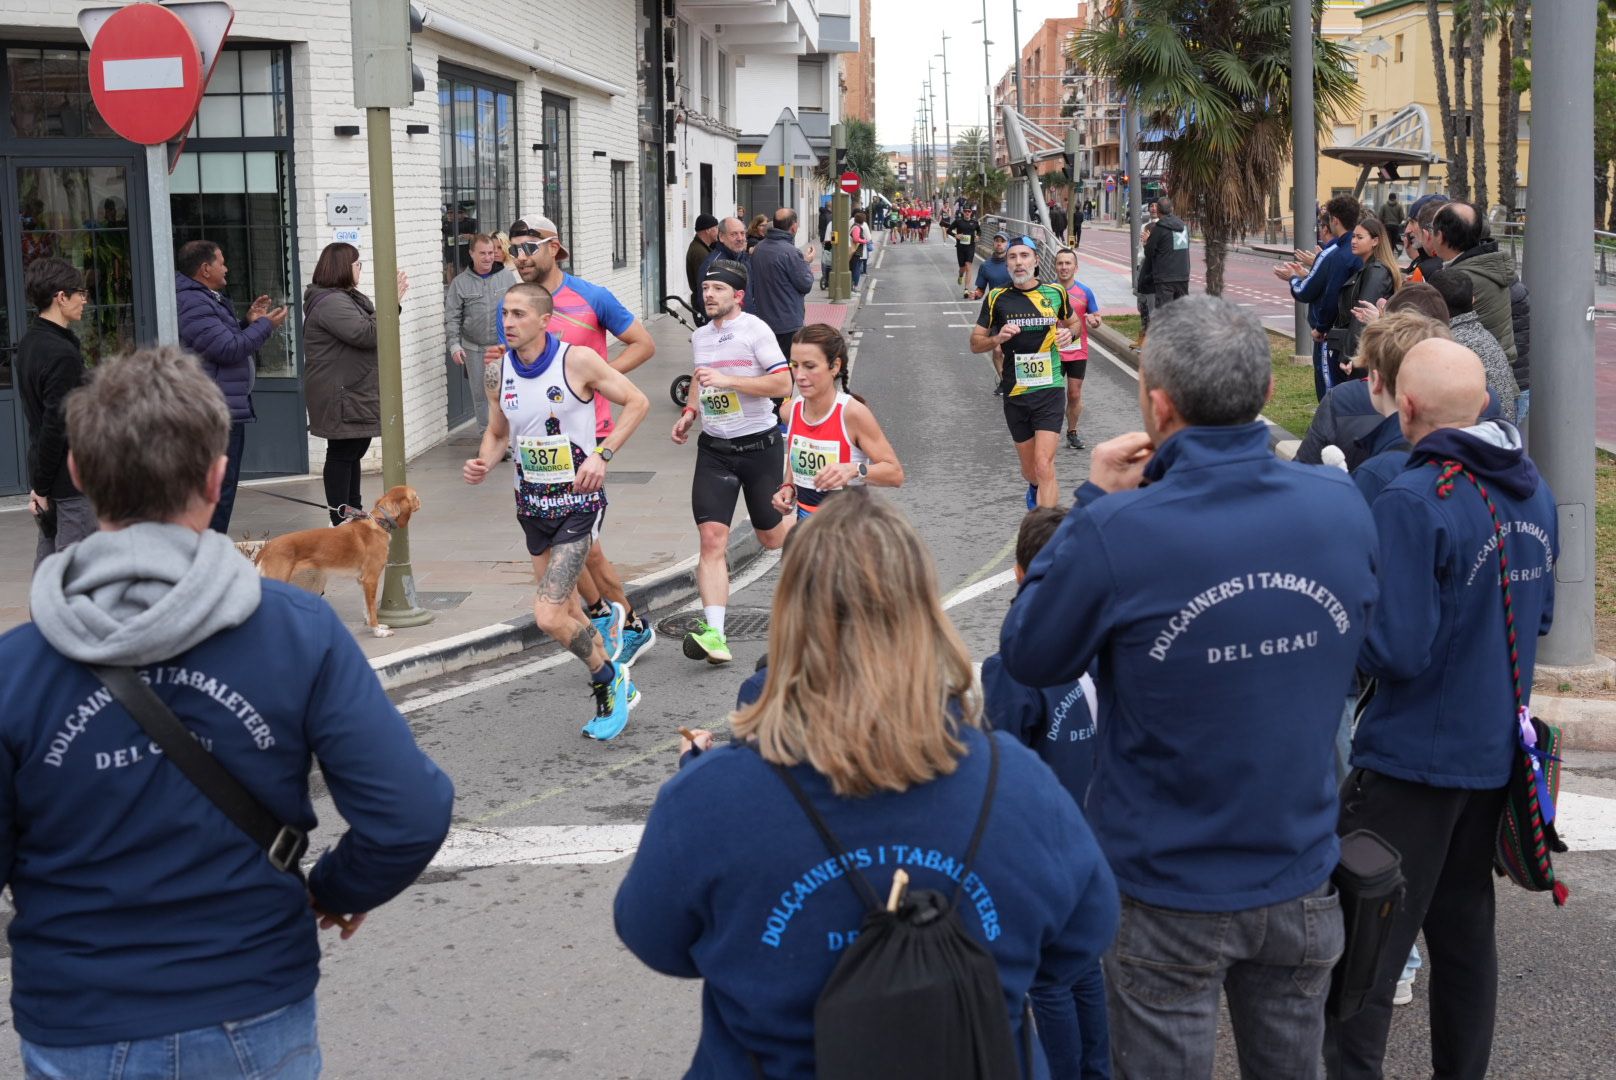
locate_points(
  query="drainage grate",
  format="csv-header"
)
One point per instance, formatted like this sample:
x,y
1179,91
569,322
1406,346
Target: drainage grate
x,y
740,624
440,601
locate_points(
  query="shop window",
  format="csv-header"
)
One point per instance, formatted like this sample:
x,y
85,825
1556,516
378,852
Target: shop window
x,y
619,214
233,186
558,169
50,95
477,126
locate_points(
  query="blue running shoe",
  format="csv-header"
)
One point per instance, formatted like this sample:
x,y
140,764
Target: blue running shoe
x,y
1032,496
633,696
611,707
636,642
610,626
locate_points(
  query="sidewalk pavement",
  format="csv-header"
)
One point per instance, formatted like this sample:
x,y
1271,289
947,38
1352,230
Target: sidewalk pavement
x,y
471,564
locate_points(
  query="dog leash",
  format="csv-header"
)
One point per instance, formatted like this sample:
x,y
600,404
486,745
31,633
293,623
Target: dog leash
x,y
347,513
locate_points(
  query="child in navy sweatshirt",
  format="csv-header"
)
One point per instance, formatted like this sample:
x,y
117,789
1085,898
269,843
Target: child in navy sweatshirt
x,y
1057,722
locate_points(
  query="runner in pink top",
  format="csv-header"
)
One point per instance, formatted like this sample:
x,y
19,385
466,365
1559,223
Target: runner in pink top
x,y
1075,357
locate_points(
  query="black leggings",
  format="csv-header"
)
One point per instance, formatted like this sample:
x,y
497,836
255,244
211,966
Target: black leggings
x,y
342,457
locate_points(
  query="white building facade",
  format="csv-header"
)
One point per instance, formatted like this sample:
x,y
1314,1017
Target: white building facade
x,y
588,114
738,63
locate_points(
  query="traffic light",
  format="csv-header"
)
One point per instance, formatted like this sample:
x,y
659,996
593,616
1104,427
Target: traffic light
x,y
384,71
841,161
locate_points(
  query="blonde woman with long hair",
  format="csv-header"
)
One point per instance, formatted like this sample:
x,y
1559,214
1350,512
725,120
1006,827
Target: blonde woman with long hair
x,y
869,708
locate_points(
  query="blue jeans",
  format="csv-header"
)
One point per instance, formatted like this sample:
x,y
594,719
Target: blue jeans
x,y
232,476
1272,963
1523,405
279,1045
1072,1027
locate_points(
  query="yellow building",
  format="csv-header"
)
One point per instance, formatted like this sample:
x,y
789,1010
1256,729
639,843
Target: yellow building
x,y
1390,43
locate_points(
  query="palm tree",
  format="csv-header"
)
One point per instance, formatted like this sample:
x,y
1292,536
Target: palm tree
x,y
1459,169
1511,18
1444,102
1478,15
1216,75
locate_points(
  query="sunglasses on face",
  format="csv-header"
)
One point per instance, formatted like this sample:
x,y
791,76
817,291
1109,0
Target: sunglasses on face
x,y
531,247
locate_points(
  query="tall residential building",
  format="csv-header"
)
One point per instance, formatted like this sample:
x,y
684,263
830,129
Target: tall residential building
x,y
858,72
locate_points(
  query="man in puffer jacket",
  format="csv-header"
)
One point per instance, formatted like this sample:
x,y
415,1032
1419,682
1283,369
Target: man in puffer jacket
x,y
227,346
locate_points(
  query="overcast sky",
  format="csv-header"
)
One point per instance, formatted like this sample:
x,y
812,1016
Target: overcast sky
x,y
908,33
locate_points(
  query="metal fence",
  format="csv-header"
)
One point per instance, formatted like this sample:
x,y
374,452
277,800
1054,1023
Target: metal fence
x,y
1511,237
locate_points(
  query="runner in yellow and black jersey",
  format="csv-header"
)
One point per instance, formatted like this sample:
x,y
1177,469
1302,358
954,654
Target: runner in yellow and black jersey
x,y
1031,323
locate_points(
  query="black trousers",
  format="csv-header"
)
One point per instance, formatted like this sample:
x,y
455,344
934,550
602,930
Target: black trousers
x,y
1446,838
342,457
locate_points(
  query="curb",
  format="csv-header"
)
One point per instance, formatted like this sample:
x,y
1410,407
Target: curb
x,y
668,587
1119,347
1584,723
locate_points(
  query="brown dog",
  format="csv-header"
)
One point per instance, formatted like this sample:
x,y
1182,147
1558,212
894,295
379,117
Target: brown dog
x,y
358,546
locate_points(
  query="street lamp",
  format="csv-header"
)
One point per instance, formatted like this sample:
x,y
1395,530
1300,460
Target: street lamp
x,y
987,77
948,124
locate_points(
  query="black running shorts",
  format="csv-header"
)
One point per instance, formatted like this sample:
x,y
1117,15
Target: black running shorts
x,y
545,533
965,255
1041,410
724,474
1075,369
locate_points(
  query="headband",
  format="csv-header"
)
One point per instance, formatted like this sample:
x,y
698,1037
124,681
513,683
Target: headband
x,y
735,279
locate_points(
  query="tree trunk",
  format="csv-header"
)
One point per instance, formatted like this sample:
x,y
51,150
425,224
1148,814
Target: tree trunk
x,y
1478,55
1459,168
1601,189
1217,254
1439,58
1509,113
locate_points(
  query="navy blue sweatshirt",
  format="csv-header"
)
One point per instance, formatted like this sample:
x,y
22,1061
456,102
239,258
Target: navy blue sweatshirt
x,y
141,910
760,915
1320,290
1226,601
1054,722
1444,707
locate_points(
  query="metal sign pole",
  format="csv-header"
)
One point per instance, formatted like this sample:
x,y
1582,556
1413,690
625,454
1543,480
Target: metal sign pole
x,y
162,244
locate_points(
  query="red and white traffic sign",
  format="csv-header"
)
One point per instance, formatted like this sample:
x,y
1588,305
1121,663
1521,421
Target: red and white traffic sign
x,y
850,183
148,68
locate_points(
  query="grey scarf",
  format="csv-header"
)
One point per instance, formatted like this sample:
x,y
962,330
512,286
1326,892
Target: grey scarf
x,y
142,594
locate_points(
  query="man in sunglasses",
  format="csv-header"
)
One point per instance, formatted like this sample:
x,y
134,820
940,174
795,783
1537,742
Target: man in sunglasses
x,y
49,365
584,314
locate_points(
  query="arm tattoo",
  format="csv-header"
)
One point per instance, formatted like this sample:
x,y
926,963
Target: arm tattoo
x,y
583,642
561,575
491,373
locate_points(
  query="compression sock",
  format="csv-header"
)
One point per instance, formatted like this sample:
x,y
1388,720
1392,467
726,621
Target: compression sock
x,y
605,675
715,616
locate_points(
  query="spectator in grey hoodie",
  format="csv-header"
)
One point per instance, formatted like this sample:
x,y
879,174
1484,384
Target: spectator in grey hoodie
x,y
470,306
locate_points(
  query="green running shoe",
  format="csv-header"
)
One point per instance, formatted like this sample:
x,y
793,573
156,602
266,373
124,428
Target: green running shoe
x,y
707,644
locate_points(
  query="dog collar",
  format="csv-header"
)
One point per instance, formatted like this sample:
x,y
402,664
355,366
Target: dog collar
x,y
388,521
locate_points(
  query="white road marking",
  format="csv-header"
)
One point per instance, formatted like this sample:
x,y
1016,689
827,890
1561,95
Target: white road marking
x,y
542,845
509,675
899,326
1586,822
981,588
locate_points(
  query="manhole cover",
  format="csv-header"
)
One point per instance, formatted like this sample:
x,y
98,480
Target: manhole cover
x,y
740,624
440,601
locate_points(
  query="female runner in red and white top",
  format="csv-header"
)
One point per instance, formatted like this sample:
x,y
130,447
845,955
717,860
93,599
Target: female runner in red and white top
x,y
833,440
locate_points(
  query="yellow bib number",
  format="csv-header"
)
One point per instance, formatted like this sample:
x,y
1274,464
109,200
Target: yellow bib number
x,y
1034,371
545,459
809,457
720,404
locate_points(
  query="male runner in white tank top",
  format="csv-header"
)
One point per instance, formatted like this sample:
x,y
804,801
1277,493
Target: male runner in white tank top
x,y
541,396
739,368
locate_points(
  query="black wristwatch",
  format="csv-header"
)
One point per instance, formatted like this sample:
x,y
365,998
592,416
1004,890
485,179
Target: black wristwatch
x,y
605,453
864,471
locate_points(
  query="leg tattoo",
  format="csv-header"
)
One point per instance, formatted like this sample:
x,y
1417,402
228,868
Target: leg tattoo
x,y
583,642
561,575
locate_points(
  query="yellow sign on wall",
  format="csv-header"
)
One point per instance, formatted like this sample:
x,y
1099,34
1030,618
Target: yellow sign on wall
x,y
747,165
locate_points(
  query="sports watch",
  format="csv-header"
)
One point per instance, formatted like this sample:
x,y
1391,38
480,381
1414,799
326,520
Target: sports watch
x,y
605,453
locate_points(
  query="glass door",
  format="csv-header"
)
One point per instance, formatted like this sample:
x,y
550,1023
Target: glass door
x,y
77,211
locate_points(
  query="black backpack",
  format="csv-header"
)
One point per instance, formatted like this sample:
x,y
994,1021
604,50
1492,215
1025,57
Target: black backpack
x,y
915,994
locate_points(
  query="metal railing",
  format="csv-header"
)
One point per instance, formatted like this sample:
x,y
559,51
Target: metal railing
x,y
1511,237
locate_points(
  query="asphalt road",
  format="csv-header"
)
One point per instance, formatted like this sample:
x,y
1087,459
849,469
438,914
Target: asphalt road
x,y
496,965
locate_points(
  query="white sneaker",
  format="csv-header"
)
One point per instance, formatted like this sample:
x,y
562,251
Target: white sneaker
x,y
1404,992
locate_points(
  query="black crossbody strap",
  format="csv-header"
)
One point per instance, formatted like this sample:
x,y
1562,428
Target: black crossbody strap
x,y
283,844
982,818
861,885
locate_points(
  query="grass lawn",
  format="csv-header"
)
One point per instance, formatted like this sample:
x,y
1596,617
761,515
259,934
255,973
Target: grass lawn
x,y
1293,402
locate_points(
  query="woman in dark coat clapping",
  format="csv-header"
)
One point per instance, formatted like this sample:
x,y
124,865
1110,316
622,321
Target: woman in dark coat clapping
x,y
340,370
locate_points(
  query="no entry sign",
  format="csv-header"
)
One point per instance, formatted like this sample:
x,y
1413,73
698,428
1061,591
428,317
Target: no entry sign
x,y
850,183
146,74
